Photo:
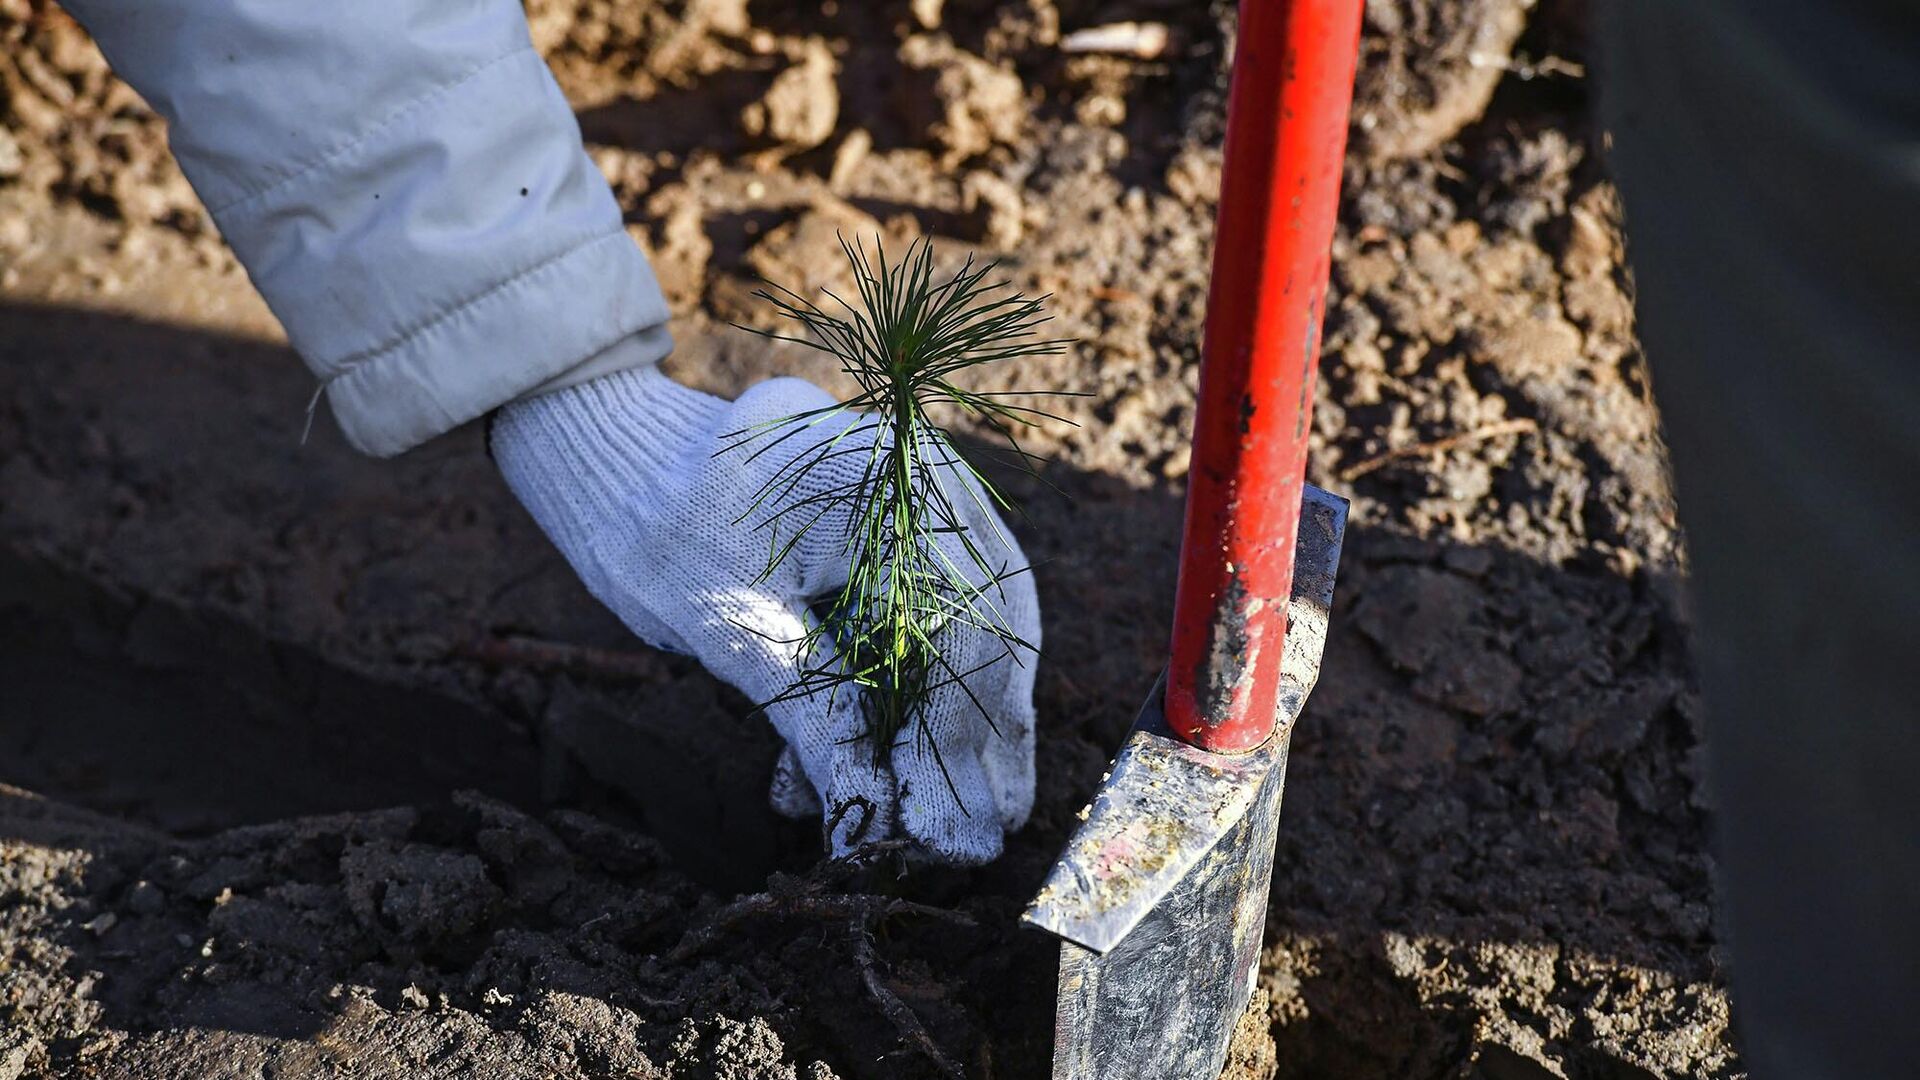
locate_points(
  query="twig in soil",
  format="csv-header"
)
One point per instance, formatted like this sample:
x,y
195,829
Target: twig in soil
x,y
904,1020
863,907
584,660
1527,71
1517,426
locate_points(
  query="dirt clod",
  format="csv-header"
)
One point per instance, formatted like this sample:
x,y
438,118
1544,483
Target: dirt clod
x,y
968,105
801,107
1427,70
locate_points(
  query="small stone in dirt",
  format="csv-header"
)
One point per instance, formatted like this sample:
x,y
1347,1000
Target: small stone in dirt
x,y
802,106
927,13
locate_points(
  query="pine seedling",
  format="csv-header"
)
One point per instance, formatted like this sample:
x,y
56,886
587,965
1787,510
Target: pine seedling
x,y
917,566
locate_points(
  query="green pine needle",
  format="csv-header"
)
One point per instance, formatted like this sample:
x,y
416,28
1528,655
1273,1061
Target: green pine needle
x,y
903,341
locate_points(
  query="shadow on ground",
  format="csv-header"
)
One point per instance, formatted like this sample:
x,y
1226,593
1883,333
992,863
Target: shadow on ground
x,y
1492,836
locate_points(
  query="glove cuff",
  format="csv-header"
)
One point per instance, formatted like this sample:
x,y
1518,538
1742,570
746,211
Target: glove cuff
x,y
581,451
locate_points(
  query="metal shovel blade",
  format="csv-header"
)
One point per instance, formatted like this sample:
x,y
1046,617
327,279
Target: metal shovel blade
x,y
1161,895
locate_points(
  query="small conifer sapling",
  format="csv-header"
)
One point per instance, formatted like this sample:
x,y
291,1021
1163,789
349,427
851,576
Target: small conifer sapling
x,y
906,340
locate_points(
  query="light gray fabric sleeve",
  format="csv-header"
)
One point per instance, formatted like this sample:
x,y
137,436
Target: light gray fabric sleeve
x,y
406,186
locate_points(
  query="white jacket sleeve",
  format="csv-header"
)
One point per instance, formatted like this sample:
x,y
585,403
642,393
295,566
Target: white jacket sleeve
x,y
405,184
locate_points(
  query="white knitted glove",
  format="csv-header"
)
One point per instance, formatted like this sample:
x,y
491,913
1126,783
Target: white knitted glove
x,y
633,477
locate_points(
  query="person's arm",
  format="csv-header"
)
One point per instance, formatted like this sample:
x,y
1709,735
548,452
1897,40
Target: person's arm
x,y
404,182
406,186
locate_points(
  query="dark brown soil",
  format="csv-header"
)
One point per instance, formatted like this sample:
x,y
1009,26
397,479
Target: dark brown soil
x,y
337,771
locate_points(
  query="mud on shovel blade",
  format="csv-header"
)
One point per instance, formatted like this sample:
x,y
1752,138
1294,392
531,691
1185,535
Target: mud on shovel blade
x,y
1161,895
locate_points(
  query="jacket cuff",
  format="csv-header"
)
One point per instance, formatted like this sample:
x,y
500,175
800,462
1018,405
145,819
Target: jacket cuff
x,y
643,349
493,349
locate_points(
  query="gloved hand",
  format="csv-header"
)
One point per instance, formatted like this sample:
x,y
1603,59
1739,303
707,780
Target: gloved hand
x,y
634,478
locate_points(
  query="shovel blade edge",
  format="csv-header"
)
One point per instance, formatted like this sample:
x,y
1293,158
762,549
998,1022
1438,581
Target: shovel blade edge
x,y
1160,897
1163,1001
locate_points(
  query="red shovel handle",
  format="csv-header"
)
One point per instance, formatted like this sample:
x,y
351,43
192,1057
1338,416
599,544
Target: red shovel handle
x,y
1279,194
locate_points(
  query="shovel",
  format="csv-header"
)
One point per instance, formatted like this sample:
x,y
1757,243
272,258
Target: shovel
x,y
1160,897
